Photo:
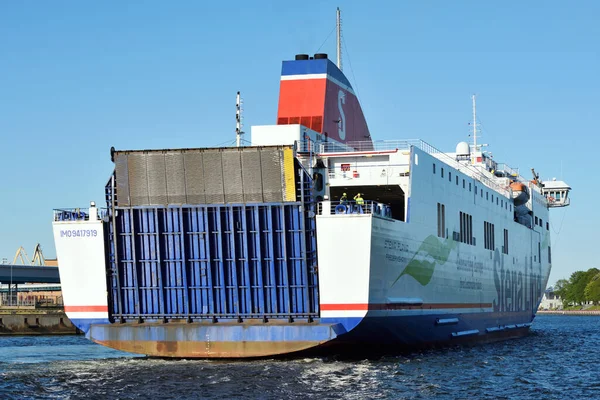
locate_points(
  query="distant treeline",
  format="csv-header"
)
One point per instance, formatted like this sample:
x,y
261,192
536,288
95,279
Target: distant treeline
x,y
580,288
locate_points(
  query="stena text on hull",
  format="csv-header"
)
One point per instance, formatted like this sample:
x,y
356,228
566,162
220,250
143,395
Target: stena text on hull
x,y
315,237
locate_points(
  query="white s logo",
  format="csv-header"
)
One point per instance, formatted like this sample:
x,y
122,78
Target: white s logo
x,y
342,122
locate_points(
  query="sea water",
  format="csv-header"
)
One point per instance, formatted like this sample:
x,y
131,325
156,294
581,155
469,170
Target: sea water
x,y
557,360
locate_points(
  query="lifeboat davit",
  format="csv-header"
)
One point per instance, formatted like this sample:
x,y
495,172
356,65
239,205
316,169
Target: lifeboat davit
x,y
520,193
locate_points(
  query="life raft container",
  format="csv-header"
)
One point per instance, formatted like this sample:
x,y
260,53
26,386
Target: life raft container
x,y
520,193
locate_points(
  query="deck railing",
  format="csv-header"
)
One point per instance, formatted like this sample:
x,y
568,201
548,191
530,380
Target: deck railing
x,y
351,207
77,214
324,148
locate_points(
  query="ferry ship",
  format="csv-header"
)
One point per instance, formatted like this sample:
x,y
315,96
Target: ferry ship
x,y
315,237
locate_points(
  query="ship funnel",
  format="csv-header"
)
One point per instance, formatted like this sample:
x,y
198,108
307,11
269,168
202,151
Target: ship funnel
x,y
315,93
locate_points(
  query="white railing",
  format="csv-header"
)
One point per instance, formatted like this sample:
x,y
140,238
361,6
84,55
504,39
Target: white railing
x,y
78,214
381,145
351,207
473,172
509,171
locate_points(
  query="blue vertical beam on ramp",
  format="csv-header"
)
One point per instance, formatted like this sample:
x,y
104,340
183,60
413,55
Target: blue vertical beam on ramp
x,y
211,222
171,273
283,260
184,269
256,262
159,269
205,254
128,295
124,261
193,243
295,258
220,262
134,265
141,259
270,259
226,244
150,250
245,255
232,262
304,266
175,257
175,261
145,293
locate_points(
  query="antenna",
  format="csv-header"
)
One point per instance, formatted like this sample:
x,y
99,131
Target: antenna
x,y
338,26
474,124
238,120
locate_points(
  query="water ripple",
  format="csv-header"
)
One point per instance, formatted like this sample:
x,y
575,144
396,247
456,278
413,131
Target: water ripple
x,y
556,361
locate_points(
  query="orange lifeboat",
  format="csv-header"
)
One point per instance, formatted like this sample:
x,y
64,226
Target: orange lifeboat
x,y
520,193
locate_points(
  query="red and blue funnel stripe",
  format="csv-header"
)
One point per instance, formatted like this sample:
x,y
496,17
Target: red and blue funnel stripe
x,y
316,94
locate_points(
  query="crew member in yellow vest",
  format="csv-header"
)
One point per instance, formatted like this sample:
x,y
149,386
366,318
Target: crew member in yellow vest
x,y
343,199
359,200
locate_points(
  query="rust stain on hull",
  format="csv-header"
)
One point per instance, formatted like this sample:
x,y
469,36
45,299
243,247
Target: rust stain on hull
x,y
212,349
208,340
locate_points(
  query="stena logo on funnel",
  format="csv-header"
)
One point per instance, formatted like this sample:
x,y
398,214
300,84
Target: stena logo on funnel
x,y
342,121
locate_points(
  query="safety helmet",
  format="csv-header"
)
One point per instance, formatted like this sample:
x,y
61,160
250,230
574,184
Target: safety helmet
x,y
344,194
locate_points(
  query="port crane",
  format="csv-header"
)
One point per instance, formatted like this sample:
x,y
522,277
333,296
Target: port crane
x,y
21,255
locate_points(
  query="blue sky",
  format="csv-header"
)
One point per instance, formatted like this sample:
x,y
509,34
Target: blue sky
x,y
79,77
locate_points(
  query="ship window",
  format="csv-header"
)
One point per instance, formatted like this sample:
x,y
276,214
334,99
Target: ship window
x,y
434,168
449,176
492,198
541,223
496,200
549,255
505,247
463,183
547,226
510,208
456,180
539,252
466,228
488,235
441,214
536,220
475,189
470,187
487,195
501,203
442,172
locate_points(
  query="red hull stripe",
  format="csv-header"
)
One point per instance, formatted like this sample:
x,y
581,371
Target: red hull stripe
x,y
375,307
86,308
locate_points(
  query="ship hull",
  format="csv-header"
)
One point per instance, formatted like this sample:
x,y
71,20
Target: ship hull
x,y
372,336
209,340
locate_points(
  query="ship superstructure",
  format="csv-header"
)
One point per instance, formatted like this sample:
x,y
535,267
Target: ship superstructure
x,y
314,237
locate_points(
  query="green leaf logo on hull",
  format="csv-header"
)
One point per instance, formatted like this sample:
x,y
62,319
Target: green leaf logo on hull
x,y
422,269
